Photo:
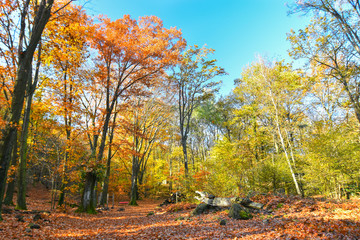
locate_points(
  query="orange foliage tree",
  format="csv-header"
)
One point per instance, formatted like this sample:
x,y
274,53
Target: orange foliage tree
x,y
65,54
131,54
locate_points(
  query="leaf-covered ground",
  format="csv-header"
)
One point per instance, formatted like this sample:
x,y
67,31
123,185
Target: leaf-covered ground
x,y
292,218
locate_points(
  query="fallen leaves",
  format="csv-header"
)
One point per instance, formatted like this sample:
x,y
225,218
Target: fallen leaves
x,y
290,218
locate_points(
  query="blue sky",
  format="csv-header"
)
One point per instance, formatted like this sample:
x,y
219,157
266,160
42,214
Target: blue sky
x,y
238,30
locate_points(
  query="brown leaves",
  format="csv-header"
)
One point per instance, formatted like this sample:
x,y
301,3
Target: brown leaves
x,y
316,220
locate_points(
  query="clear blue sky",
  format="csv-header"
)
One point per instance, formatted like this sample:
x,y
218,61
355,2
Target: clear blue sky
x,y
238,30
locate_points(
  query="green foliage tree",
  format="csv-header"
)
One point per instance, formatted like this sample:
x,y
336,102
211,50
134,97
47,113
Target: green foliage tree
x,y
194,84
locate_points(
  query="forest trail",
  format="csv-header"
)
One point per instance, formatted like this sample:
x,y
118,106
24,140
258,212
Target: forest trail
x,y
291,218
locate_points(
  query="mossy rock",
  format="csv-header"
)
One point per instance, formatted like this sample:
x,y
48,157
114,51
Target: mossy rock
x,y
223,222
201,208
238,212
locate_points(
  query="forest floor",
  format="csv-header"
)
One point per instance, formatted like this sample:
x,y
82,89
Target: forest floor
x,y
291,218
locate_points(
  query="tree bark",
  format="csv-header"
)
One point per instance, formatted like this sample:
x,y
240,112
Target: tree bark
x,y
11,185
21,195
87,203
105,189
134,182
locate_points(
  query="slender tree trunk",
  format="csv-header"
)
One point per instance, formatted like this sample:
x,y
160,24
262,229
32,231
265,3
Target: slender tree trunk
x,y
186,163
298,191
11,185
105,189
64,181
170,174
134,182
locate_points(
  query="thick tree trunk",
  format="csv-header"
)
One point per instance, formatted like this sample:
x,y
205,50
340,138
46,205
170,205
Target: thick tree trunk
x,y
87,200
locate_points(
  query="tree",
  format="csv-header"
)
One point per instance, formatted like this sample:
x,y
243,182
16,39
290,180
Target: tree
x,y
272,93
194,84
131,55
25,53
65,55
331,42
149,117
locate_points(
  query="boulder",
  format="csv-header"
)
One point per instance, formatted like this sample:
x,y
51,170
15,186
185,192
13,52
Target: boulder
x,y
201,208
238,212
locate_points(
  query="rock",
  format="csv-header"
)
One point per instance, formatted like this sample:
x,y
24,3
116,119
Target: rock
x,y
34,226
121,209
246,202
223,222
223,202
216,201
201,208
27,230
238,212
256,205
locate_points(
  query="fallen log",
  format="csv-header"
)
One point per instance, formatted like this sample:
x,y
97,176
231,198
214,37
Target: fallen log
x,y
226,202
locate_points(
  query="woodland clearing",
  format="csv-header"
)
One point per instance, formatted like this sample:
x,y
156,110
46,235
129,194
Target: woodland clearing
x,y
290,218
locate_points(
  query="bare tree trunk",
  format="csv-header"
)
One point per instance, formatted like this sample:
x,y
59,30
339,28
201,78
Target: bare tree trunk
x,y
105,188
134,182
87,203
21,195
11,185
298,191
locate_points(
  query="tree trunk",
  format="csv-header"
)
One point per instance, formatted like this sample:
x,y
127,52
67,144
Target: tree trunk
x,y
8,139
21,196
105,188
22,75
186,164
87,200
298,191
134,182
11,185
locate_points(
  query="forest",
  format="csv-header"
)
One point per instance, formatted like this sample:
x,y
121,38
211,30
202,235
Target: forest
x,y
99,111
